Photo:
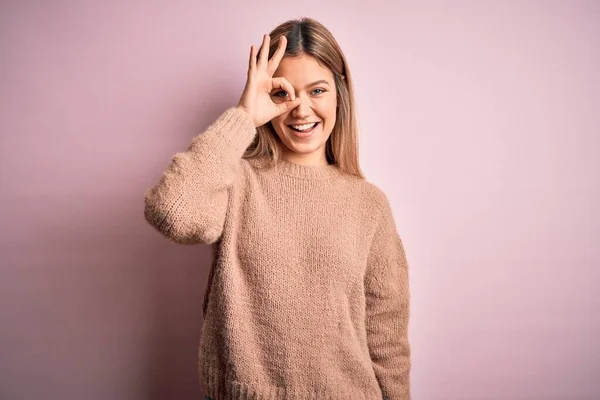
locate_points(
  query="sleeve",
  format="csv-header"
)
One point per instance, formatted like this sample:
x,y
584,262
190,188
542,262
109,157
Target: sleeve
x,y
189,203
387,310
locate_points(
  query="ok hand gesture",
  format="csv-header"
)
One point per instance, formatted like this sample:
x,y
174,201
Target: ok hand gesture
x,y
256,97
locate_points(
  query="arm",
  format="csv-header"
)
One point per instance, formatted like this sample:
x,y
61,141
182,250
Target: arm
x,y
387,309
189,202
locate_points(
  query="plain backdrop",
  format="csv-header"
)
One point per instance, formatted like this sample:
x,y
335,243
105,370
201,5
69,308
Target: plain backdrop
x,y
479,119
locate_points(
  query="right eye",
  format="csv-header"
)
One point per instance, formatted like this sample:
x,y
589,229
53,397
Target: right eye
x,y
281,93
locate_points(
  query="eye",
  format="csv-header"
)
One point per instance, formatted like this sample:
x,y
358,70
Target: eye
x,y
279,94
321,91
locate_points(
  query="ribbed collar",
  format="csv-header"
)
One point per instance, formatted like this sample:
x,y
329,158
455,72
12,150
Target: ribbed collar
x,y
301,171
308,171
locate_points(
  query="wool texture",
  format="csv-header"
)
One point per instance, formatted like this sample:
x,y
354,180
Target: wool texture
x,y
308,295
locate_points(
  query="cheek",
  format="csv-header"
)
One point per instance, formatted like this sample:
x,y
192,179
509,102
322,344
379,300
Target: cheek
x,y
277,122
330,111
330,108
278,126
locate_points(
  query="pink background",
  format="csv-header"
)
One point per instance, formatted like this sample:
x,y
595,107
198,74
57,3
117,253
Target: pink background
x,y
480,120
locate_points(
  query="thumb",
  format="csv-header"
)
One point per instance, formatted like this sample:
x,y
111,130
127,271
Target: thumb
x,y
288,105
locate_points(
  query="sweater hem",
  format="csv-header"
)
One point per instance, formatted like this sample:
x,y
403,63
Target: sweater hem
x,y
219,386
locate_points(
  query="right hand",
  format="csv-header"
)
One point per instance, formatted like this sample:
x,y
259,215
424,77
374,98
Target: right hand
x,y
256,97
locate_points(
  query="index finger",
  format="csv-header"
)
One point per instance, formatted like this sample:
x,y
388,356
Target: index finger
x,y
277,56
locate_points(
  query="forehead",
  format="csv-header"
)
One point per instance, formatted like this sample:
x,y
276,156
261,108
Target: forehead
x,y
301,69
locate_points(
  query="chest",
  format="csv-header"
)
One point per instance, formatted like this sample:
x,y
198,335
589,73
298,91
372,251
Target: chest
x,y
303,233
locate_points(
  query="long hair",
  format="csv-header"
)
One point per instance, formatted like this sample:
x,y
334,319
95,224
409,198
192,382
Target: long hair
x,y
308,36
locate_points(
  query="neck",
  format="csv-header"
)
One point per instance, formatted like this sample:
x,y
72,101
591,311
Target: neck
x,y
315,159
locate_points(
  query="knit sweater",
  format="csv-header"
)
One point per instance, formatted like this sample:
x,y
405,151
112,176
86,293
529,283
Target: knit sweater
x,y
308,294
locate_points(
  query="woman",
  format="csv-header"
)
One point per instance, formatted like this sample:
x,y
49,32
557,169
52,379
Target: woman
x,y
308,295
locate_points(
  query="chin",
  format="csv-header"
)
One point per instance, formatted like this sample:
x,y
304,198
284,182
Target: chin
x,y
306,148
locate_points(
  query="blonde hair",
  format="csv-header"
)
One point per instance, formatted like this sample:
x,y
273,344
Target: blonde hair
x,y
308,36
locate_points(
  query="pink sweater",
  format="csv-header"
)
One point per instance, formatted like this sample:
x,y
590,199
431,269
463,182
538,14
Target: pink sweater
x,y
308,296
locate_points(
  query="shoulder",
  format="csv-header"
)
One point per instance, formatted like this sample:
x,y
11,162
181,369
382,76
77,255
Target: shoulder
x,y
375,196
368,198
252,167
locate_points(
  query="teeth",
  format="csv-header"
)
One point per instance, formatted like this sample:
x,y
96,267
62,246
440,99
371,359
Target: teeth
x,y
304,127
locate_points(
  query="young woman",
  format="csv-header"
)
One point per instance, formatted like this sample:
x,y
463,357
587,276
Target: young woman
x,y
308,296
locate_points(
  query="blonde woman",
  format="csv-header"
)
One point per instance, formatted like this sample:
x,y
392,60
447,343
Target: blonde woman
x,y
308,296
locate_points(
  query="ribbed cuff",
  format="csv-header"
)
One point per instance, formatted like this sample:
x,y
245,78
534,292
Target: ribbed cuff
x,y
237,127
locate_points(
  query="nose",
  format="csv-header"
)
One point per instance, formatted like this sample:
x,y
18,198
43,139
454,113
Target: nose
x,y
303,109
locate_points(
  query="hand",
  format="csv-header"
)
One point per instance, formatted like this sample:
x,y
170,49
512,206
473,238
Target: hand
x,y
256,97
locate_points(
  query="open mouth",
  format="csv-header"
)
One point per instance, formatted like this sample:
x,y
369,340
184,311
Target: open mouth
x,y
305,127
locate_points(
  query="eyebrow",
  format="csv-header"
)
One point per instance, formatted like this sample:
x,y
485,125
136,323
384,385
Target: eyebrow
x,y
322,81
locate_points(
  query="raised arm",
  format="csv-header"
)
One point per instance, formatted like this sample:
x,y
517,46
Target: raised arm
x,y
189,203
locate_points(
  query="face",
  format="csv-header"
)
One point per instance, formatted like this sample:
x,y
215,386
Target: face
x,y
315,86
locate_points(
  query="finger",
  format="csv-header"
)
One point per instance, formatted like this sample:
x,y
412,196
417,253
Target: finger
x,y
287,105
276,59
252,62
263,56
284,84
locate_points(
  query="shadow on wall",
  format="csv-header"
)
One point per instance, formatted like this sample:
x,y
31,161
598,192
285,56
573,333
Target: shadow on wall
x,y
171,355
94,302
102,307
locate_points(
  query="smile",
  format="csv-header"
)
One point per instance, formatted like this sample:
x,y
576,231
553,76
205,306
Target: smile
x,y
303,127
304,130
